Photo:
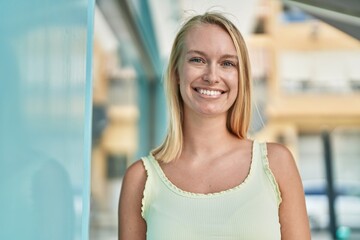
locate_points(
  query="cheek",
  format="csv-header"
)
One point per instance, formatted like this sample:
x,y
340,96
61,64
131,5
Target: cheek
x,y
233,81
181,89
184,79
234,86
182,86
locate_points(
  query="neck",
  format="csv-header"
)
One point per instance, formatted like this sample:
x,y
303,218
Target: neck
x,y
204,135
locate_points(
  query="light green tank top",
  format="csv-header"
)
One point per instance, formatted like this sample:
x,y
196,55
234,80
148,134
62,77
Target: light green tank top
x,y
247,211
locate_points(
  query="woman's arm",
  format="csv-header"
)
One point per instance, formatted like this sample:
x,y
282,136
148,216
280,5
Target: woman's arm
x,y
131,224
293,217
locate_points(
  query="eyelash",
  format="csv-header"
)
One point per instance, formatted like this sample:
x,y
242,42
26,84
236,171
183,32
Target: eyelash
x,y
224,63
228,64
196,60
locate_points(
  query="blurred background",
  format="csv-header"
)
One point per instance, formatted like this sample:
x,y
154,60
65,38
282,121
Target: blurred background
x,y
81,98
306,79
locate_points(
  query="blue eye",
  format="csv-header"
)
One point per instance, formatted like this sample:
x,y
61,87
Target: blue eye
x,y
228,64
196,60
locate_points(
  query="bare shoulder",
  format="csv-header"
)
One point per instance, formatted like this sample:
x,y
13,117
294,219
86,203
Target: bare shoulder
x,y
279,152
293,218
135,175
131,224
281,162
133,183
280,156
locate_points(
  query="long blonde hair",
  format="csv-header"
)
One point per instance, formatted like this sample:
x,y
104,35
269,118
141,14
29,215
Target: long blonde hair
x,y
239,114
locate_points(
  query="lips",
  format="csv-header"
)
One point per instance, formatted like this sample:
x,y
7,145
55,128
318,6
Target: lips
x,y
209,92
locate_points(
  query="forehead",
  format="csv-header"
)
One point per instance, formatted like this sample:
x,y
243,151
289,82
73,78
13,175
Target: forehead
x,y
209,37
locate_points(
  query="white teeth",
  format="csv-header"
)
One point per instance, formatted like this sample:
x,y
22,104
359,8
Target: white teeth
x,y
209,92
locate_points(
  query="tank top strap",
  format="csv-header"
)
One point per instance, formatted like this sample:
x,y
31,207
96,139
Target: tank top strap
x,y
151,177
256,156
266,168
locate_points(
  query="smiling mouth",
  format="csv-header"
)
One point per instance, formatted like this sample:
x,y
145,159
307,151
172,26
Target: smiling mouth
x,y
208,92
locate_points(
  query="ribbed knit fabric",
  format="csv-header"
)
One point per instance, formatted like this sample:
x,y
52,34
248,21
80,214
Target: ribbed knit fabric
x,y
247,211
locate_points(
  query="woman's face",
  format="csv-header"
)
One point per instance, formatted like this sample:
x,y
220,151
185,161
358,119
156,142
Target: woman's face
x,y
208,71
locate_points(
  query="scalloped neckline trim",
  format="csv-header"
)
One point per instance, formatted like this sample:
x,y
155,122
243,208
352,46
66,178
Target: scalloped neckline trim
x,y
179,191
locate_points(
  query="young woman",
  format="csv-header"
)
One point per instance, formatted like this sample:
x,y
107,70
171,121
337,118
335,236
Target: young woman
x,y
208,180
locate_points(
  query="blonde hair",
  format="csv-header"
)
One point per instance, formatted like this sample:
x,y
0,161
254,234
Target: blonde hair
x,y
238,117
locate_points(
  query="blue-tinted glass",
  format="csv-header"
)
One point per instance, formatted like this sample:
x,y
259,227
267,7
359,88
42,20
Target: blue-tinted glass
x,y
45,82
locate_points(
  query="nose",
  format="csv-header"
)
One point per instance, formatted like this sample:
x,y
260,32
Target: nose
x,y
211,75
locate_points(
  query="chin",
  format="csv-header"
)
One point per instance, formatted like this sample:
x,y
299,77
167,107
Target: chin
x,y
212,112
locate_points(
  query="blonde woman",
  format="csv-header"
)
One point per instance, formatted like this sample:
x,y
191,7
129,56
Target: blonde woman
x,y
208,180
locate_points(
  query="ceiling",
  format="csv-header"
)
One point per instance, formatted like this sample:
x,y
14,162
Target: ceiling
x,y
344,14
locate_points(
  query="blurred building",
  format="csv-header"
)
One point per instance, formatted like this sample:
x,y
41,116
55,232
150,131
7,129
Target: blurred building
x,y
312,85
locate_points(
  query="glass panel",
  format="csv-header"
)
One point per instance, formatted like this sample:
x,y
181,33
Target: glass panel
x,y
45,82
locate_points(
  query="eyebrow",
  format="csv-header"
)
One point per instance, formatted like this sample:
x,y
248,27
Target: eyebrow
x,y
204,54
